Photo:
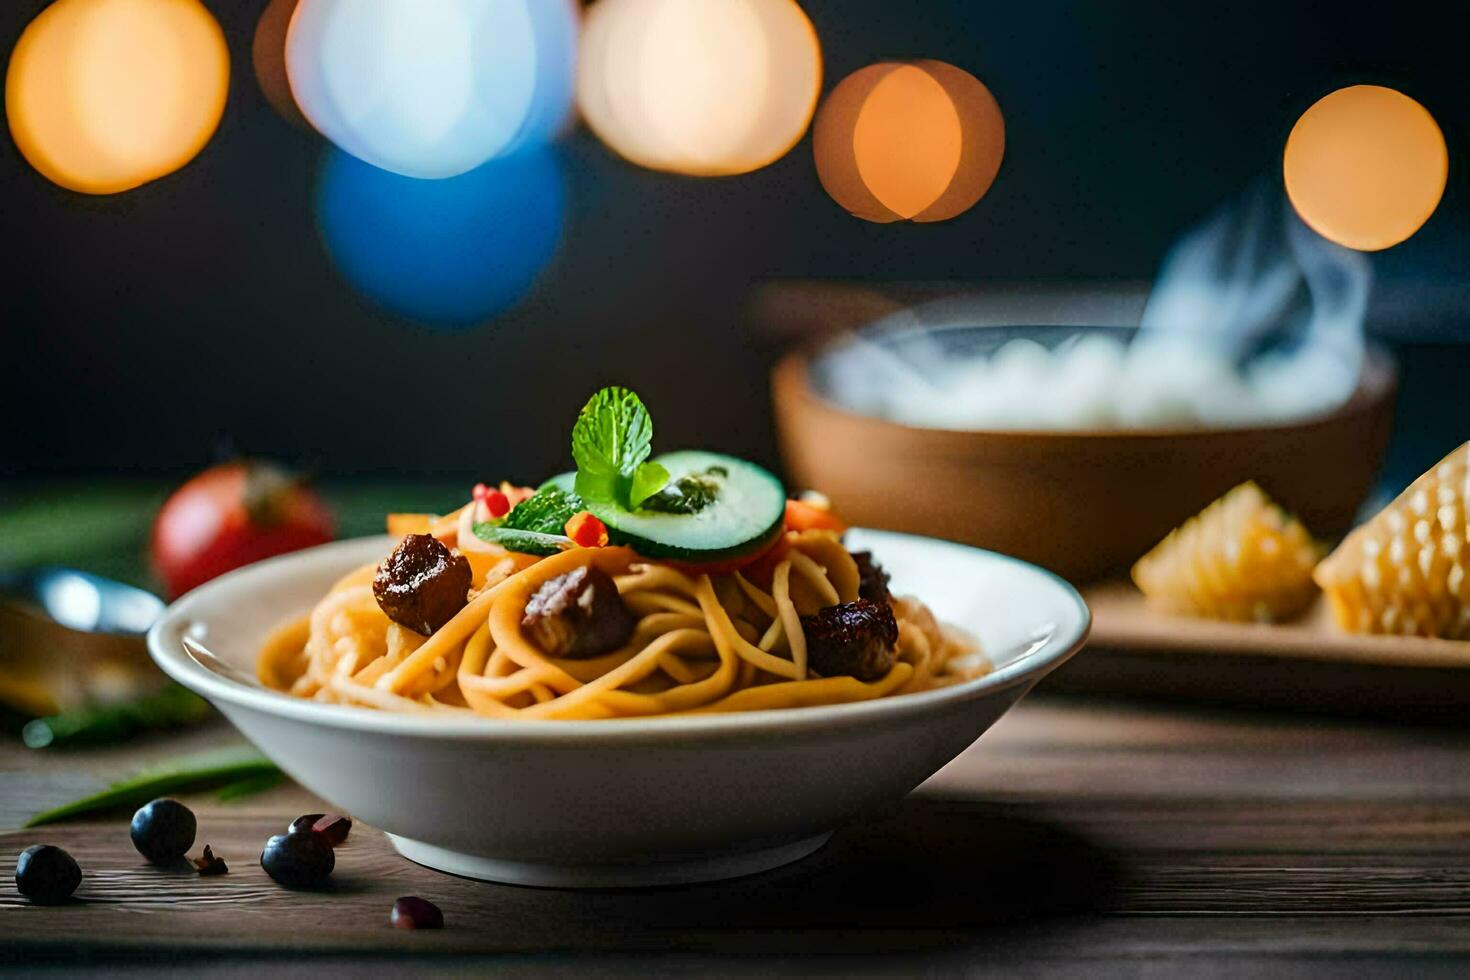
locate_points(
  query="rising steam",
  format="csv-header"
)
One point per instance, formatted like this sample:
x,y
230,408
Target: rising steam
x,y
1254,319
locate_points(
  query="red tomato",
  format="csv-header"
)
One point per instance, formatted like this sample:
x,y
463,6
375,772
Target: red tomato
x,y
731,564
231,515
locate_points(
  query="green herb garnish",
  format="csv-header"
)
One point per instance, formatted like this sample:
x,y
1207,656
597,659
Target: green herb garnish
x,y
611,443
689,494
536,525
219,767
249,786
648,480
172,707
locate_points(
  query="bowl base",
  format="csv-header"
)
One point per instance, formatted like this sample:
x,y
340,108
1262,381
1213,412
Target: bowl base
x,y
682,871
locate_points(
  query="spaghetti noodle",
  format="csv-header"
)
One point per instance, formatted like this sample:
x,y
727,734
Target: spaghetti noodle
x,y
702,642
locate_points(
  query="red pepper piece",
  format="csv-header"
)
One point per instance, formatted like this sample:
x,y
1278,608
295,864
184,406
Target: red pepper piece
x,y
586,530
497,503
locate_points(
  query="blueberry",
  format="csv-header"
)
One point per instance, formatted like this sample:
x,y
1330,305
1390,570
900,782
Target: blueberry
x,y
46,874
163,831
300,860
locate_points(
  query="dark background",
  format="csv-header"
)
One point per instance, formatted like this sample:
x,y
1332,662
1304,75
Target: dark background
x,y
153,331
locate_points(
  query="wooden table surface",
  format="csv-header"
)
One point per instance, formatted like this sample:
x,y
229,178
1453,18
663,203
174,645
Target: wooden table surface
x,y
1078,837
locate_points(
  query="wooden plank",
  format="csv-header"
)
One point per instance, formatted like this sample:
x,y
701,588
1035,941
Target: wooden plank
x,y
1052,748
1077,835
931,867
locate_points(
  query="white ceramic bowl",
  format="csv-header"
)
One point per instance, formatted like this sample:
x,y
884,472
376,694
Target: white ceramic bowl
x,y
634,801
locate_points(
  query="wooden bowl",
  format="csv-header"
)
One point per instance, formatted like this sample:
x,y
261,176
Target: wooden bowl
x,y
1081,503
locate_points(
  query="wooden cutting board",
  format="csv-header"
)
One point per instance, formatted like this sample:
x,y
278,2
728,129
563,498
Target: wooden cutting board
x,y
1308,664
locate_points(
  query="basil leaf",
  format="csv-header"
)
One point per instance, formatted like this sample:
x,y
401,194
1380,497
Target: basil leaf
x,y
536,525
546,511
648,480
522,542
612,437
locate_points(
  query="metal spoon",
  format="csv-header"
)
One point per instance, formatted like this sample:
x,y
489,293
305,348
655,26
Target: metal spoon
x,y
90,603
200,655
82,601
71,641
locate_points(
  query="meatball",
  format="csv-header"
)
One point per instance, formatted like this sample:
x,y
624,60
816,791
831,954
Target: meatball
x,y
578,615
422,584
858,638
872,579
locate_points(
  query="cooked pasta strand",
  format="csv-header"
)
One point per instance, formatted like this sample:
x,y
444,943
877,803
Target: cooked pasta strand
x,y
700,643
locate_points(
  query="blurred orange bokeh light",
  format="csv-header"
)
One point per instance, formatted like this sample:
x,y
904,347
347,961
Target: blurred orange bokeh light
x,y
711,88
105,95
908,141
1365,167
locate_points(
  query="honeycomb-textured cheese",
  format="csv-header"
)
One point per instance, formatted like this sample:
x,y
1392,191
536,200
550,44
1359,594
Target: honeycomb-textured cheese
x,y
1241,558
1404,572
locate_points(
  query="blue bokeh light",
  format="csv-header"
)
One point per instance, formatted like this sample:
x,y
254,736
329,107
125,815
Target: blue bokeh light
x,y
556,26
433,89
449,253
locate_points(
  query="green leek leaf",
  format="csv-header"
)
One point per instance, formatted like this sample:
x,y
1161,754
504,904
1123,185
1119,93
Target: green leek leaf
x,y
201,770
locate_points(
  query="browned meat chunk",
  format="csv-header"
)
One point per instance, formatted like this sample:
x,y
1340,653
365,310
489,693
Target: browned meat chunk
x,y
578,615
422,584
858,638
872,579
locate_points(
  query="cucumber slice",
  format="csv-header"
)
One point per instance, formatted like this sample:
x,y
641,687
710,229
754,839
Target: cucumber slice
x,y
746,515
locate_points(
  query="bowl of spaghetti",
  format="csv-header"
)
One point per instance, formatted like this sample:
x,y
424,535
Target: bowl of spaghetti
x,y
652,670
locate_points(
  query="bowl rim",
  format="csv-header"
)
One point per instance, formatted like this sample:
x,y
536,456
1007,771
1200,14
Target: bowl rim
x,y
166,649
792,375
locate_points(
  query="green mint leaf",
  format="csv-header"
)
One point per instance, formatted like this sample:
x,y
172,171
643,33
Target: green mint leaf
x,y
602,488
613,435
536,525
648,480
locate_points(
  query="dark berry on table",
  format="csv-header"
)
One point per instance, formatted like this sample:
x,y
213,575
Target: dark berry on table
x,y
412,912
163,831
301,860
304,822
210,865
46,874
334,827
